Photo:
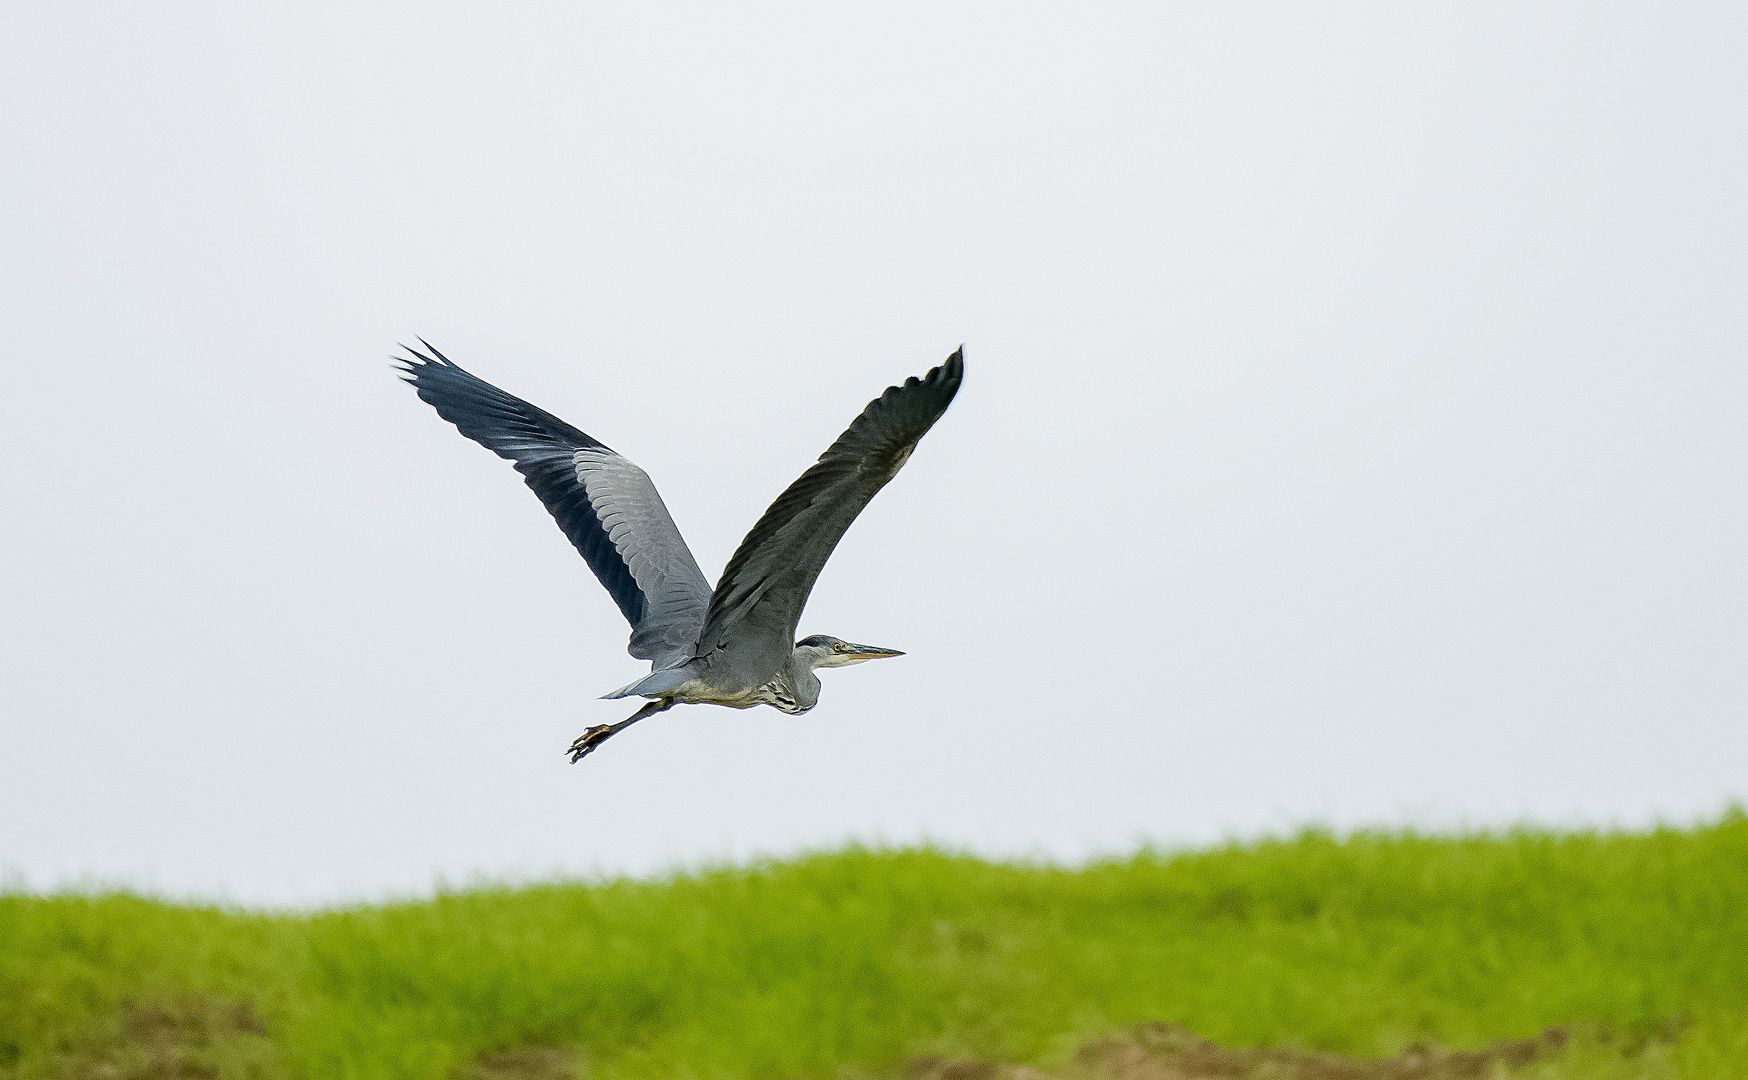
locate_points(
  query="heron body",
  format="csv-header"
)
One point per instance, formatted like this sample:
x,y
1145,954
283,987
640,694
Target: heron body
x,y
734,644
794,688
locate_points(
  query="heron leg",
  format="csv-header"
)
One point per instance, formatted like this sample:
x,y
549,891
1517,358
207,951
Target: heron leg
x,y
600,733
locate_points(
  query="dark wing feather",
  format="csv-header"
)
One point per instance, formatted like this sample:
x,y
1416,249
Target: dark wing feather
x,y
606,505
749,633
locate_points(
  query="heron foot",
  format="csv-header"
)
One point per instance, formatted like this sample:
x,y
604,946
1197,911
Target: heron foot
x,y
588,740
600,733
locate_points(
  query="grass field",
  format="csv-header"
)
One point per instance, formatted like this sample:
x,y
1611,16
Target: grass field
x,y
873,962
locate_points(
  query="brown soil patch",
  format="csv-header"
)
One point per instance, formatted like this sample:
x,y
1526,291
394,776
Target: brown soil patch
x,y
1159,1051
202,1037
522,1063
188,1037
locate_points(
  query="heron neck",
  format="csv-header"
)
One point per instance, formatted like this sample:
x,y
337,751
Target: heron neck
x,y
806,683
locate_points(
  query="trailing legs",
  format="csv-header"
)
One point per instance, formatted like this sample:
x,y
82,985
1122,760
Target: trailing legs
x,y
600,733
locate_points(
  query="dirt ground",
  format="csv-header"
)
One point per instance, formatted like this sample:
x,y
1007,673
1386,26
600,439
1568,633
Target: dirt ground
x,y
203,1038
1159,1051
190,1037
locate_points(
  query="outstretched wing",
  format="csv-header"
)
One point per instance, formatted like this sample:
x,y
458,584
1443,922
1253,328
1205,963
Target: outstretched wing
x,y
605,504
749,632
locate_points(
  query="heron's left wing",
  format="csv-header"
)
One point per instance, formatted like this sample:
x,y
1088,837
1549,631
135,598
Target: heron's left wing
x,y
749,632
604,503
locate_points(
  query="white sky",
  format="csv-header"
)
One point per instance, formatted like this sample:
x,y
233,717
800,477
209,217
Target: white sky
x,y
1353,429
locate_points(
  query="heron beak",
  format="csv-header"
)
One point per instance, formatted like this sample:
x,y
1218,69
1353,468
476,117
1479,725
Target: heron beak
x,y
870,652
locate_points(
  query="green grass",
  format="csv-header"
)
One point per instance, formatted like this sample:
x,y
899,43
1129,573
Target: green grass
x,y
854,961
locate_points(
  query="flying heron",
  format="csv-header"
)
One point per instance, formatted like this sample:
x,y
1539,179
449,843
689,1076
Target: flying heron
x,y
733,645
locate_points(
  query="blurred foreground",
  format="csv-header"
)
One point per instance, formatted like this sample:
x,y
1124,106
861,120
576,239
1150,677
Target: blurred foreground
x,y
1375,957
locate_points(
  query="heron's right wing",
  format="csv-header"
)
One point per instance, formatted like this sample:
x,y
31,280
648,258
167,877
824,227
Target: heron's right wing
x,y
750,631
606,505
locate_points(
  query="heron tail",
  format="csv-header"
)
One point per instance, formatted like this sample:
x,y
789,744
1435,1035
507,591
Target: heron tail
x,y
653,684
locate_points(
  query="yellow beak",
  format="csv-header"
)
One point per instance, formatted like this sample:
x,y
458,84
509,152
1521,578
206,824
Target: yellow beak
x,y
869,652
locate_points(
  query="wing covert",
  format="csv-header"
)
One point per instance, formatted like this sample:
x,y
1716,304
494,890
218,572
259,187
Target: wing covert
x,y
749,632
607,506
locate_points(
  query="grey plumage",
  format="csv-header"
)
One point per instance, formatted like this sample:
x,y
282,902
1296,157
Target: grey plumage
x,y
605,504
734,645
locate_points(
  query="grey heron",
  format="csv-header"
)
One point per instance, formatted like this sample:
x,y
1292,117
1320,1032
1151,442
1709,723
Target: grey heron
x,y
733,645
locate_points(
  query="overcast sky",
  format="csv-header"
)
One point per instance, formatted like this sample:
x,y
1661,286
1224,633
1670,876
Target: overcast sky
x,y
1354,428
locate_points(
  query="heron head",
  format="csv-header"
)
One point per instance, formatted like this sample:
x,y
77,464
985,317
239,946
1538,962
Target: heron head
x,y
823,650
